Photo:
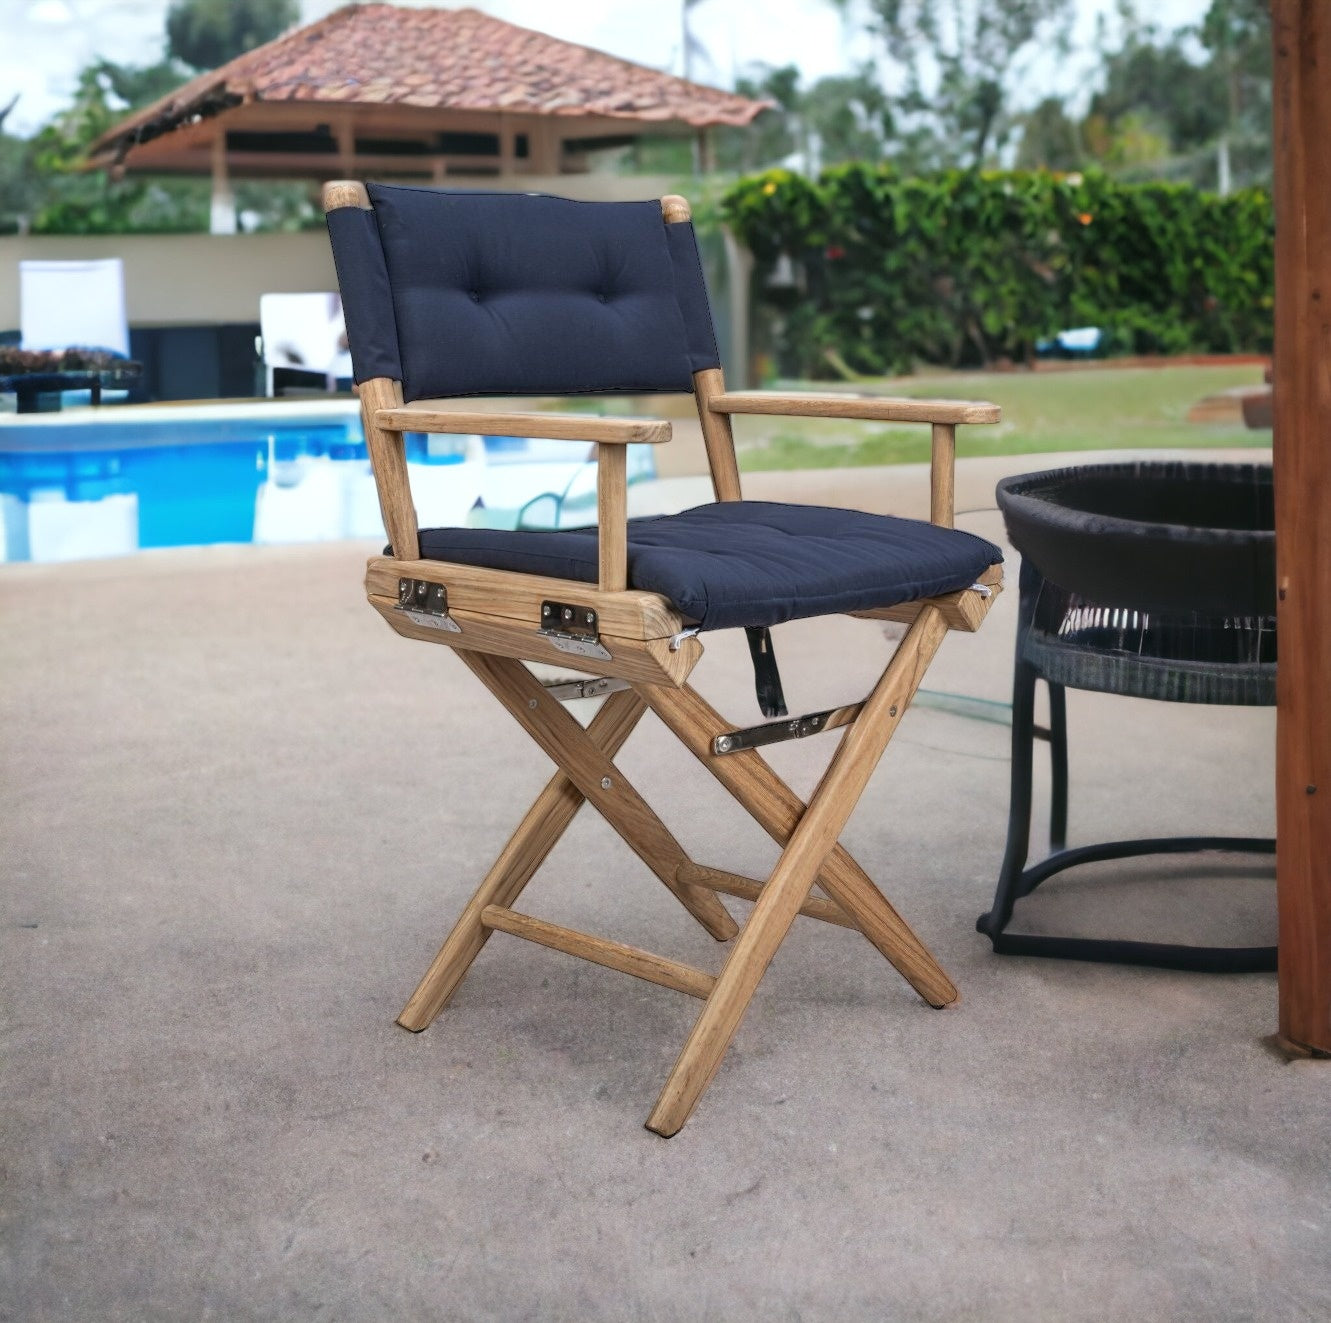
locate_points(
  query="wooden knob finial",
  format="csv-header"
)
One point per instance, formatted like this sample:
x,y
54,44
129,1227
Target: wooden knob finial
x,y
345,193
675,209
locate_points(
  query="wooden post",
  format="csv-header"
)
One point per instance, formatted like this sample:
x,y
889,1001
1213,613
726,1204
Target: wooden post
x,y
1301,35
222,209
345,133
612,517
739,274
943,474
508,150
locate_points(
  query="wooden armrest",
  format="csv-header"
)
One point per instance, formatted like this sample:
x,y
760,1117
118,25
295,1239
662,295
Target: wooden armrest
x,y
878,408
427,416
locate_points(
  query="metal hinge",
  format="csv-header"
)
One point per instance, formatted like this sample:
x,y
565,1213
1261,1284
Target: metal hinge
x,y
774,732
572,629
567,690
425,603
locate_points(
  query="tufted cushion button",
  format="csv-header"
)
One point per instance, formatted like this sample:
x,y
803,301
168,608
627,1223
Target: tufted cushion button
x,y
475,295
603,297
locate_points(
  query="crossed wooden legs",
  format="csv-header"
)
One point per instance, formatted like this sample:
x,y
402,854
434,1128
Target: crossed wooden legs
x,y
809,834
585,760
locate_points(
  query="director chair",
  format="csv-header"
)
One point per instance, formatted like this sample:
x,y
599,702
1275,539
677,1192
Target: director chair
x,y
451,295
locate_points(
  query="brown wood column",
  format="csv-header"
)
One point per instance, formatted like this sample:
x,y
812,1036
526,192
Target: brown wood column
x,y
1301,34
222,207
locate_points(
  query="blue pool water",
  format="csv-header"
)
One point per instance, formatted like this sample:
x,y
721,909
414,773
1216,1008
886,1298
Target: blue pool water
x,y
114,481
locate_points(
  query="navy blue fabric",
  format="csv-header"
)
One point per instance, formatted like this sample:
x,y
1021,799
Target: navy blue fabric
x,y
367,300
691,291
520,294
748,563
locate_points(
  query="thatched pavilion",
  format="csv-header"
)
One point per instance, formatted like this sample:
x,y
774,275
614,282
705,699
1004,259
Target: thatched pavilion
x,y
429,94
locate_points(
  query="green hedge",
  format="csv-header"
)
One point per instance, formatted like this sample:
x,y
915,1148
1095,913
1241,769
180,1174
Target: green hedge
x,y
873,271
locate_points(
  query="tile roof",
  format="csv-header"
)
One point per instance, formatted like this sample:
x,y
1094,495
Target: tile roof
x,y
456,59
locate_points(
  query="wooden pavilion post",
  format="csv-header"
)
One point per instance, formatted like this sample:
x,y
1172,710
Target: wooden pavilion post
x,y
222,207
1301,34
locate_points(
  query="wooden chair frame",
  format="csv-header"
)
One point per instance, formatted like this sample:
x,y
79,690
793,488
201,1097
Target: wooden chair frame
x,y
497,615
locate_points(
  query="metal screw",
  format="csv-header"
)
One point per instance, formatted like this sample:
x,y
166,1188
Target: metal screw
x,y
545,610
606,783
892,711
591,617
723,744
568,613
531,703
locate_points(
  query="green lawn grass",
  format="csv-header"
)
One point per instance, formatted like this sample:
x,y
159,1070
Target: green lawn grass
x,y
1100,408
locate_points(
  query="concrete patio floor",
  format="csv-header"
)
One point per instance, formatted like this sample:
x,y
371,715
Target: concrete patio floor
x,y
239,814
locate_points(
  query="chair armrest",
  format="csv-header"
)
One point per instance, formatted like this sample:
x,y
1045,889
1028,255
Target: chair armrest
x,y
610,436
877,408
426,416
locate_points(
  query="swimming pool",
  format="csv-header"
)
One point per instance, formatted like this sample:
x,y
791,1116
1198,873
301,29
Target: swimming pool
x,y
116,480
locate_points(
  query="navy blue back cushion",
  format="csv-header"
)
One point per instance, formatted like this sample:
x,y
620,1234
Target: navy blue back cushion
x,y
520,294
367,297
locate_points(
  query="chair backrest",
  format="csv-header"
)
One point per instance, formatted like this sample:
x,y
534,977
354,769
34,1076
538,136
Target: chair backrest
x,y
519,294
67,303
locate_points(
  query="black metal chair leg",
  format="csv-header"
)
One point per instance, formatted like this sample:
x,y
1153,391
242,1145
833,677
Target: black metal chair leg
x,y
1058,764
1019,804
1117,951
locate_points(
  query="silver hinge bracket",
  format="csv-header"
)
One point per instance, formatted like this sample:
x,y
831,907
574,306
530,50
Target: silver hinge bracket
x,y
774,732
567,690
572,629
426,604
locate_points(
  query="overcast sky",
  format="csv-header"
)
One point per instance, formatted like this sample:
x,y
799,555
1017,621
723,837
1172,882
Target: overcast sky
x,y
44,43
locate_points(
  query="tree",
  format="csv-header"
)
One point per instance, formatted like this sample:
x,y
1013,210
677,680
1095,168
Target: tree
x,y
1237,34
777,133
849,116
134,85
1155,79
67,199
17,184
207,33
1050,139
844,117
958,63
1163,112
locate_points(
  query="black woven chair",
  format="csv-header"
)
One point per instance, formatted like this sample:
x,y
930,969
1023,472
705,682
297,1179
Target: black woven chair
x,y
452,295
1149,580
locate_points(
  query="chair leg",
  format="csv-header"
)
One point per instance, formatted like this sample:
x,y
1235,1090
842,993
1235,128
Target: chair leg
x,y
777,809
791,882
1019,803
545,822
1058,763
600,782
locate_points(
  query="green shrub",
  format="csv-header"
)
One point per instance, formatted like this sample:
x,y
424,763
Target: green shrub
x,y
871,271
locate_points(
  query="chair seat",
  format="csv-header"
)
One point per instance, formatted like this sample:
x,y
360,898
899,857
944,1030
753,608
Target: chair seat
x,y
747,563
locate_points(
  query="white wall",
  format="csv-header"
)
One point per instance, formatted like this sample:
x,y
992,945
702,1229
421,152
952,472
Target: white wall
x,y
195,279
186,279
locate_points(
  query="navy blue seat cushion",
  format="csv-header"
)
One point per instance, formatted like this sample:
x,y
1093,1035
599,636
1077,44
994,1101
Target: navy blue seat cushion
x,y
748,563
